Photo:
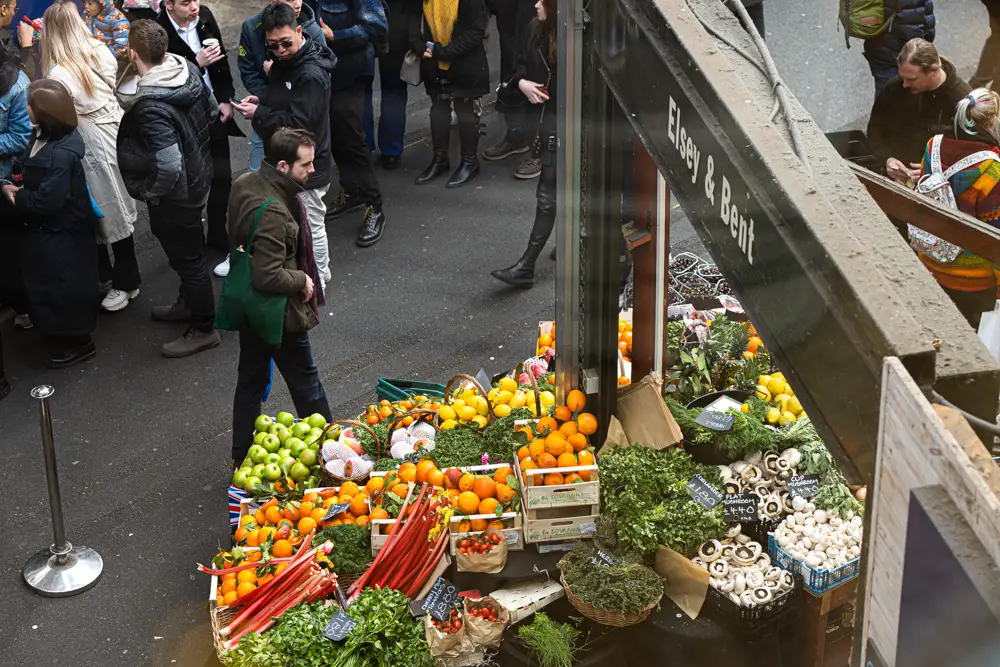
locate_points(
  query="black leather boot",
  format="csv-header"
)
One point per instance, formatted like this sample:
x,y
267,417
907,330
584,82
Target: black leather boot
x,y
439,166
522,273
372,228
466,171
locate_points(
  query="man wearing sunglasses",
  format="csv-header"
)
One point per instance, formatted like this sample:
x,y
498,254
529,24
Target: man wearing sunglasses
x,y
297,96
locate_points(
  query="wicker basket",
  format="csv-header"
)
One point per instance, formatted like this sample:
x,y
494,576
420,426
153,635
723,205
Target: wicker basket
x,y
327,476
490,415
221,616
615,619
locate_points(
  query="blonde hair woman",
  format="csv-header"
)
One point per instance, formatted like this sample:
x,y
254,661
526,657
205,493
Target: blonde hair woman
x,y
87,68
976,116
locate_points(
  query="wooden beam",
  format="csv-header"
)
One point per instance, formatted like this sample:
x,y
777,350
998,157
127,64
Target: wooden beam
x,y
905,205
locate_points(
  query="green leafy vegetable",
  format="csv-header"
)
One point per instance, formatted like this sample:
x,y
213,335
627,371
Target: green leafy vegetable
x,y
351,553
627,586
296,640
456,447
381,429
386,635
499,438
551,643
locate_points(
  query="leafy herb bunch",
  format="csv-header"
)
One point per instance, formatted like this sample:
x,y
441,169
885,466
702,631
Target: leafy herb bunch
x,y
386,635
552,644
296,640
351,553
627,586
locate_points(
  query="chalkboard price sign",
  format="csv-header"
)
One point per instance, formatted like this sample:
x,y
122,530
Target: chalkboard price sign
x,y
739,508
603,558
439,601
717,421
805,486
703,492
335,509
339,627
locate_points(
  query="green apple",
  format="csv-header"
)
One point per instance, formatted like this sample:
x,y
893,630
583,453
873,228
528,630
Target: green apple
x,y
313,446
284,434
287,463
308,457
286,419
316,420
312,482
257,454
284,452
263,424
301,429
258,470
240,477
259,437
247,463
299,472
271,443
295,447
273,458
334,432
272,472
253,483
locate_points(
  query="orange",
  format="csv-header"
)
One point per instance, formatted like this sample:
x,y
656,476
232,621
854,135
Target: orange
x,y
246,518
578,441
496,525
252,538
241,533
279,568
245,588
568,429
379,513
306,525
348,519
500,476
229,585
306,508
345,498
311,497
423,468
266,578
546,461
488,506
505,494
349,488
335,522
465,484
435,478
526,430
358,506
361,521
254,556
282,549
231,576
566,461
546,425
449,476
554,479
291,512
555,444
408,474
229,598
286,522
400,490
246,576
573,478
464,526
584,475
468,503
407,465
259,517
479,524
485,487
318,514
266,533
576,401
587,423
523,453
563,414
586,457
375,485
537,448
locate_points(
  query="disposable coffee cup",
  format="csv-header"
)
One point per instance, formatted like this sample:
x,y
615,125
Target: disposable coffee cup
x,y
210,42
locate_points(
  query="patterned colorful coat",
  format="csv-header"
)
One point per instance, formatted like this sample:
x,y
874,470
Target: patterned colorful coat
x,y
112,27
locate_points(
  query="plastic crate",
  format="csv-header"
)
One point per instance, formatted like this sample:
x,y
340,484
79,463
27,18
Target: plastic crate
x,y
751,623
759,531
816,582
392,389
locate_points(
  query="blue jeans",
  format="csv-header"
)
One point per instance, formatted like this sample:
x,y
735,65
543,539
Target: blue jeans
x,y
392,121
295,362
256,151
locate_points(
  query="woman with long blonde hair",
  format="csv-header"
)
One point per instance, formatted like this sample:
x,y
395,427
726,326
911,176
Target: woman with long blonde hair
x,y
87,68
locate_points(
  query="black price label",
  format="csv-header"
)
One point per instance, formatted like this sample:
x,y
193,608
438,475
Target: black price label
x,y
439,601
603,558
804,486
739,508
339,627
703,492
335,509
416,608
717,421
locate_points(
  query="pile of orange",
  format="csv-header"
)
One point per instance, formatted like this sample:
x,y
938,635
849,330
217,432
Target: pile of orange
x,y
285,523
546,341
559,441
386,410
754,343
235,585
624,345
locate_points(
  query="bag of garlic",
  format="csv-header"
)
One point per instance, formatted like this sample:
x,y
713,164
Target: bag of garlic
x,y
821,546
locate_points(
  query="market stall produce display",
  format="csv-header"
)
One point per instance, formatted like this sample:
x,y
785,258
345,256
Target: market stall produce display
x,y
284,454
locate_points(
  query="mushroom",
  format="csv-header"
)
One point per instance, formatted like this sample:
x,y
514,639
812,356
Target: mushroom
x,y
792,455
751,474
770,464
725,472
710,551
754,578
719,568
753,458
738,466
727,551
761,595
743,555
747,599
733,530
732,486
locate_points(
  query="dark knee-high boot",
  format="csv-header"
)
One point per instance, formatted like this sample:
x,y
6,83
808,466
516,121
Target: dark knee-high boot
x,y
522,273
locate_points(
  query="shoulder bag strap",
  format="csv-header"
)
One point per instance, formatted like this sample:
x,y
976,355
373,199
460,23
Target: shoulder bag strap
x,y
256,221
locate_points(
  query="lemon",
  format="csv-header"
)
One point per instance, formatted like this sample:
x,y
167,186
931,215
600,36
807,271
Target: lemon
x,y
458,404
493,395
780,400
764,379
794,406
776,386
508,385
786,418
480,421
517,401
468,395
446,413
773,415
480,405
467,413
779,376
762,393
504,397
448,424
547,398
787,389
502,410
744,408
532,409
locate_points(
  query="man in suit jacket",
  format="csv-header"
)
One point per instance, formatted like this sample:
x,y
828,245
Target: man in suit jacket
x,y
193,33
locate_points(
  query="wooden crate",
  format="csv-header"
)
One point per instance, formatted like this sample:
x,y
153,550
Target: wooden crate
x,y
514,531
537,496
553,524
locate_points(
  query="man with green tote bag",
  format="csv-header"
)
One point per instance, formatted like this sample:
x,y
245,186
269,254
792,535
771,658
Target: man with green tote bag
x,y
273,291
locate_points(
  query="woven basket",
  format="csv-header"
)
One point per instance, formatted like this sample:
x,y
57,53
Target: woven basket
x,y
448,397
221,616
615,619
329,478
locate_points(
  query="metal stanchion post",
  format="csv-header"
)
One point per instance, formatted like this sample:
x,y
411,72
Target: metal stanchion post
x,y
62,569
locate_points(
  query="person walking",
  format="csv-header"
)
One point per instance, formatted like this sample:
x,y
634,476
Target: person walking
x,y
351,28
914,106
455,73
906,20
193,34
388,137
59,264
25,34
255,60
87,69
988,70
268,222
535,76
165,160
298,97
972,188
15,136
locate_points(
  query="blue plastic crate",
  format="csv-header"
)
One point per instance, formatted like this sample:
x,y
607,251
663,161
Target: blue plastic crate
x,y
816,581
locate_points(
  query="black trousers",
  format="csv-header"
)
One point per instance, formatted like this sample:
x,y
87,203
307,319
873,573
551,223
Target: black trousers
x,y
12,292
545,212
989,62
124,273
295,362
468,124
222,183
513,21
347,142
179,232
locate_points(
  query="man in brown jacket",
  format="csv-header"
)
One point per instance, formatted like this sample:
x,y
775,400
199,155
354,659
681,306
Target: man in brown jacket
x,y
282,264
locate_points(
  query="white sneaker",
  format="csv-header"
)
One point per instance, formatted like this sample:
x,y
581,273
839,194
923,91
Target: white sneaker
x,y
117,299
222,269
327,276
22,322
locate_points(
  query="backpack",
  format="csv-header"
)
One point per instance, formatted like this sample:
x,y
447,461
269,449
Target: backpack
x,y
864,19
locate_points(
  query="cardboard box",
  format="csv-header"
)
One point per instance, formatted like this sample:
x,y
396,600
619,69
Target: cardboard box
x,y
525,598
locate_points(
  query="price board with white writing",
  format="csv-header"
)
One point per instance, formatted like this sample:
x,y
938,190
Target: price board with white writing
x,y
804,486
740,508
440,599
339,627
703,492
335,509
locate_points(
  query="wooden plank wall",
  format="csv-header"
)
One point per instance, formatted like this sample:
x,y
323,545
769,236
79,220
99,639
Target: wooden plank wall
x,y
919,445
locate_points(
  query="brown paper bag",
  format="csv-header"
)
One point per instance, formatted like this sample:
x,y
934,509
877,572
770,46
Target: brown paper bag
x,y
686,583
442,645
489,563
645,417
481,632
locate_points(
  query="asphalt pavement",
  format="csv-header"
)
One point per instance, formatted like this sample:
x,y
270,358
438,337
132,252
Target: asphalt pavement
x,y
143,441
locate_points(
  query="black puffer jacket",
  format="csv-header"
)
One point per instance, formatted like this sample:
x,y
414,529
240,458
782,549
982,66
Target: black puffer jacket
x,y
470,72
163,150
913,18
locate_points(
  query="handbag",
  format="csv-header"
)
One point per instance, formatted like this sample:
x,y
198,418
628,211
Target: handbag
x,y
410,71
242,307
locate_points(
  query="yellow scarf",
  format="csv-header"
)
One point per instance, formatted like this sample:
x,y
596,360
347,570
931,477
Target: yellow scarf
x,y
441,16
